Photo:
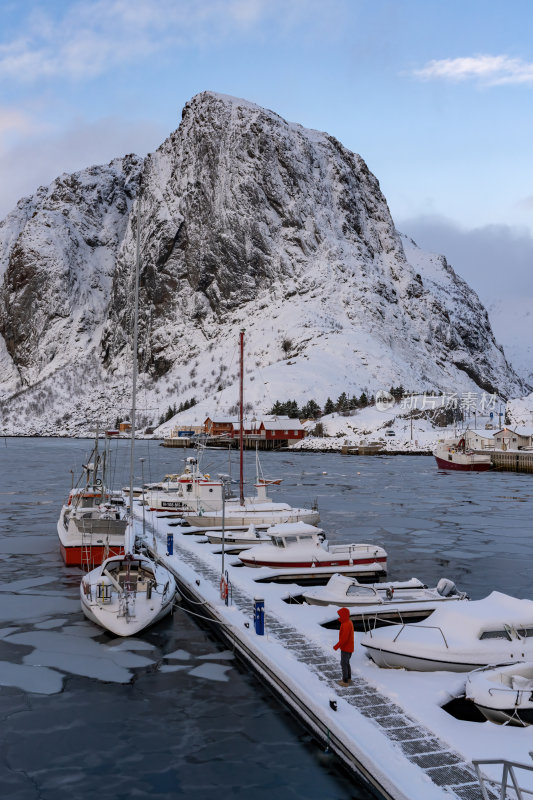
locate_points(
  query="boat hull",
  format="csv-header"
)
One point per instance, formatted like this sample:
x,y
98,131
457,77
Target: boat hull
x,y
119,627
88,557
253,518
394,660
318,576
332,562
462,467
90,547
126,595
521,717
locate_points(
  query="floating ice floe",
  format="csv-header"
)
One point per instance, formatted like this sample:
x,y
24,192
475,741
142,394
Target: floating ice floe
x,y
27,583
172,667
39,680
48,624
79,655
130,644
7,632
225,655
30,607
211,672
179,655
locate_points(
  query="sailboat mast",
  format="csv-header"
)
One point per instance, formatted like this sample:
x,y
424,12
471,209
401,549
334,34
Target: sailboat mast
x,y
134,360
241,421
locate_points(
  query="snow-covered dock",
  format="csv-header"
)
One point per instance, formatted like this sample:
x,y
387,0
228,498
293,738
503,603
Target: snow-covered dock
x,y
389,727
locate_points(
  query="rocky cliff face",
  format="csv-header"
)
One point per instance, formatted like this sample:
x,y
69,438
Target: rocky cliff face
x,y
246,220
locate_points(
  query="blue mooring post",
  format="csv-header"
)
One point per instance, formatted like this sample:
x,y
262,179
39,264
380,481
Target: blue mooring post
x,y
259,616
170,544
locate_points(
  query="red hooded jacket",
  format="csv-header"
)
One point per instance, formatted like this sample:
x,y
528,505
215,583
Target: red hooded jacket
x,y
346,632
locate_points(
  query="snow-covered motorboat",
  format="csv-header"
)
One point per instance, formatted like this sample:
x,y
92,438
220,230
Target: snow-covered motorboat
x,y
296,545
454,455
127,593
242,539
458,637
503,694
391,600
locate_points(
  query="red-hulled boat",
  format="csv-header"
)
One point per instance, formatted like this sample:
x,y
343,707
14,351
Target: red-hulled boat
x,y
91,527
454,455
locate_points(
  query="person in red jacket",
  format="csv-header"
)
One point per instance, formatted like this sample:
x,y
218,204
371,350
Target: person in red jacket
x,y
345,644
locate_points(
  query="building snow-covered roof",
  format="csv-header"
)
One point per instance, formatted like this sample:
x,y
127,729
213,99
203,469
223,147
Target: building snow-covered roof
x,y
284,423
483,434
519,431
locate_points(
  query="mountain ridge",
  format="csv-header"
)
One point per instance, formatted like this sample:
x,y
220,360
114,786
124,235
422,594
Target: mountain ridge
x,y
246,220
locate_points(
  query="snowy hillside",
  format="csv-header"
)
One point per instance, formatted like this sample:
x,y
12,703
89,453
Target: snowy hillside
x,y
246,221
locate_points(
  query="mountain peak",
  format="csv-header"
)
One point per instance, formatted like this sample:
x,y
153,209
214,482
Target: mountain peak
x,y
247,220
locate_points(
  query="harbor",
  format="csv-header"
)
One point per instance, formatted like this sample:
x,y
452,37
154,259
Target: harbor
x,y
382,735
390,729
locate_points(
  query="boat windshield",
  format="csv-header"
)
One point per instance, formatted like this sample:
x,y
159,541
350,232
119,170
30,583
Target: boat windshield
x,y
360,591
509,632
277,541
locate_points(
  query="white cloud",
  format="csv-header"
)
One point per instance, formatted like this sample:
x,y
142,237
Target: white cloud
x,y
487,70
93,36
527,202
495,260
13,121
38,160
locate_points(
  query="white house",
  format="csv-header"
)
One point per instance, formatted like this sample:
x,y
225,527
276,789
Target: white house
x,y
513,438
479,439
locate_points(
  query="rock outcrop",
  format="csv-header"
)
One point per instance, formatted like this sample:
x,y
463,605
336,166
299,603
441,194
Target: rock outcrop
x,y
246,220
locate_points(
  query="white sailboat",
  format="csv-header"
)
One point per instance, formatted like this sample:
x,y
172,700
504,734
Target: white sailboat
x,y
127,593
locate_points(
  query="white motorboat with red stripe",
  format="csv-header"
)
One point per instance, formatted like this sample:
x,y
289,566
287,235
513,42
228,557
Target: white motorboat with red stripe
x,y
297,545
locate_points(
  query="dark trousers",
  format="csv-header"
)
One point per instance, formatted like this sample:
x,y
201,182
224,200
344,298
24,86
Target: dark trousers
x,y
345,666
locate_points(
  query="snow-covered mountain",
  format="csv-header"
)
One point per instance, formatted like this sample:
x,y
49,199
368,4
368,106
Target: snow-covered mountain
x,y
246,221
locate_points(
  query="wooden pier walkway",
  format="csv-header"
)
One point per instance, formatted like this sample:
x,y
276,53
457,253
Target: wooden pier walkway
x,y
444,768
512,460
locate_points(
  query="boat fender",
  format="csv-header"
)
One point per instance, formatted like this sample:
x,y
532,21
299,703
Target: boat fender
x,y
446,587
223,588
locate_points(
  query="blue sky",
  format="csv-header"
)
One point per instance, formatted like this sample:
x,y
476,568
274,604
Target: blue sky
x,y
436,95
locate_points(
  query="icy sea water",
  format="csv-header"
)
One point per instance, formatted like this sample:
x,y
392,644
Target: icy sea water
x,y
172,714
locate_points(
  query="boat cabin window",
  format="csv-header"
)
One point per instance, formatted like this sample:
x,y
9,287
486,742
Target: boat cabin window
x,y
495,635
118,566
360,590
507,633
291,539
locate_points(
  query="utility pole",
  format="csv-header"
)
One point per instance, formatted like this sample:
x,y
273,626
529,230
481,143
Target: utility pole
x,y
241,421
